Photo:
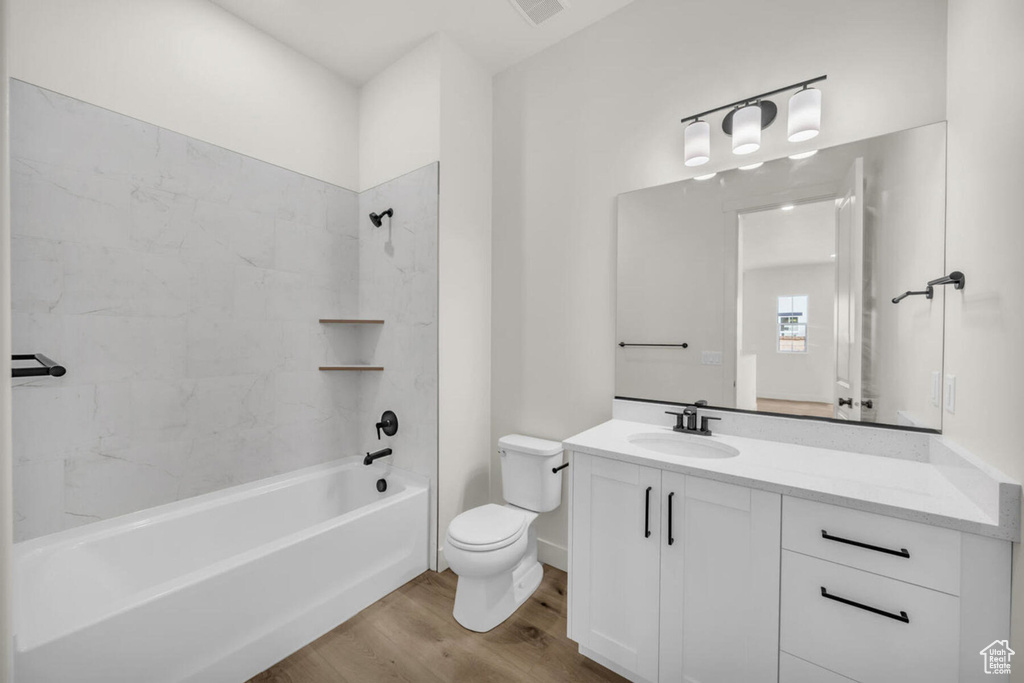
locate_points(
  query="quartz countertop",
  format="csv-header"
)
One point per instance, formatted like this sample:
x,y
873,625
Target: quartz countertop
x,y
896,487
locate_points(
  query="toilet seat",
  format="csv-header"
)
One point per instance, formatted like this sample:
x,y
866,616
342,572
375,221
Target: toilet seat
x,y
488,527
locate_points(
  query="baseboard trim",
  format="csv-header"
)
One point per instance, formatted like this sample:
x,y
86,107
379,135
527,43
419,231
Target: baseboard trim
x,y
553,554
442,563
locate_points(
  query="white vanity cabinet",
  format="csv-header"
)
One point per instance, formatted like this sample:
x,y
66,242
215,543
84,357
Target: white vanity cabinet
x,y
673,577
677,577
877,599
616,545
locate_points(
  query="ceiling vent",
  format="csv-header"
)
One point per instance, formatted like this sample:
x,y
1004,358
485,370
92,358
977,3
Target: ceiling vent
x,y
538,11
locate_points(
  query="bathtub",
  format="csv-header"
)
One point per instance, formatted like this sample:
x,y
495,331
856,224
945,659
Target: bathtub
x,y
217,587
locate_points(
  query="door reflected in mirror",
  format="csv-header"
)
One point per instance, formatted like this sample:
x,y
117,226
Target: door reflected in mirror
x,y
779,281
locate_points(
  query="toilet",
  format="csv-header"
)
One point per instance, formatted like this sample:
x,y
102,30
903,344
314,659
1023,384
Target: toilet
x,y
493,548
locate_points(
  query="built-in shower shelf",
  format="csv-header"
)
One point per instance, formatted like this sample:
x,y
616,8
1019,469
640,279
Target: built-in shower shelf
x,y
351,368
350,321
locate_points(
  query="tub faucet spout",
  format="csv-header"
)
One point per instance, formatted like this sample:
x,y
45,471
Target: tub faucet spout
x,y
370,457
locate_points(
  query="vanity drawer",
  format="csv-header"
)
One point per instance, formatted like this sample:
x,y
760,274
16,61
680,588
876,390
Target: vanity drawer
x,y
865,645
795,670
917,553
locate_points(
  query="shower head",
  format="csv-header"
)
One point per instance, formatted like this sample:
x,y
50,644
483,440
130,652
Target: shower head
x,y
376,218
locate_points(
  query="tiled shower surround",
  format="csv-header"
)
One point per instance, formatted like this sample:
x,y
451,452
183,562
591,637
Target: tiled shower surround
x,y
181,285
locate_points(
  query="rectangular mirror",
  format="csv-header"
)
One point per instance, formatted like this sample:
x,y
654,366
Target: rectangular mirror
x,y
771,289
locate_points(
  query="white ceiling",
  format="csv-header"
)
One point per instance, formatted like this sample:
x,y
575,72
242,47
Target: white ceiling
x,y
803,236
358,39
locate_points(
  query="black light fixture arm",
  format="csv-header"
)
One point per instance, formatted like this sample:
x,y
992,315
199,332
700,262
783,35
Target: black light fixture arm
x,y
749,100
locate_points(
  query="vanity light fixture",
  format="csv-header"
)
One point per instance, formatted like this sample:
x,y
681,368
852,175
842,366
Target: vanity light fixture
x,y
804,114
749,116
751,167
746,129
706,176
803,155
697,143
787,207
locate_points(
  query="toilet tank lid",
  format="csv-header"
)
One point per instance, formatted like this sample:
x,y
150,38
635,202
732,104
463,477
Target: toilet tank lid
x,y
530,445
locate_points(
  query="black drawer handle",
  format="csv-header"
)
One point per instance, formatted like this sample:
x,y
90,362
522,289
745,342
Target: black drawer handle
x,y
670,539
647,514
902,616
902,552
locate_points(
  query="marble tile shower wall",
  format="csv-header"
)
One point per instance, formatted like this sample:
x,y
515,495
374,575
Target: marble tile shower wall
x,y
181,285
398,275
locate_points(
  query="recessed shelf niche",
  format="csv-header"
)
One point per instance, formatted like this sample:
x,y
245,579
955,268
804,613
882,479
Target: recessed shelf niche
x,y
351,367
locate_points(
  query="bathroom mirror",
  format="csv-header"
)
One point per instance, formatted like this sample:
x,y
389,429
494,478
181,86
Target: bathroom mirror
x,y
771,289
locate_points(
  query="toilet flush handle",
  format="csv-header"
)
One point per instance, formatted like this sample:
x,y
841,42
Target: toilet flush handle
x,y
556,470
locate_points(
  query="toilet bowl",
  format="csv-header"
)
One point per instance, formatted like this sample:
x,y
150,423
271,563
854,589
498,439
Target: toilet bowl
x,y
493,548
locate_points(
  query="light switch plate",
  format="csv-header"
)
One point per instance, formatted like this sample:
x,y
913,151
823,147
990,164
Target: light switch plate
x,y
936,388
950,394
710,357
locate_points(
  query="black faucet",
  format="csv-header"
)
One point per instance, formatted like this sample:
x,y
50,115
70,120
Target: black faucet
x,y
388,423
370,457
686,421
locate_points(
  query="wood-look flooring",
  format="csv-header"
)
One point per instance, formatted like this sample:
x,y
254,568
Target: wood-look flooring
x,y
774,405
410,636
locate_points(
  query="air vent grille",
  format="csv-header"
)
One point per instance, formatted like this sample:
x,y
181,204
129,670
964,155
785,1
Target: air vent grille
x,y
539,11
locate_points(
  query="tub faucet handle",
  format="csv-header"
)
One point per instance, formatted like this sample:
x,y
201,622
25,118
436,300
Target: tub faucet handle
x,y
388,423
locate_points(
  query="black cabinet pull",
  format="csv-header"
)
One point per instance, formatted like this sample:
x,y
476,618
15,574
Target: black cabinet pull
x,y
670,539
647,514
902,616
902,552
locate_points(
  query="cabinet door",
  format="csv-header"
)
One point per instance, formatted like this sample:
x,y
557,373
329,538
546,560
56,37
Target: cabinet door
x,y
719,582
616,533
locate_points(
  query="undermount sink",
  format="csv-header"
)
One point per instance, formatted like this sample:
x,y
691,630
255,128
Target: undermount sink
x,y
682,445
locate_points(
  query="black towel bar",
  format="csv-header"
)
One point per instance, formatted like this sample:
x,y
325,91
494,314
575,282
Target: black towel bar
x,y
46,366
684,345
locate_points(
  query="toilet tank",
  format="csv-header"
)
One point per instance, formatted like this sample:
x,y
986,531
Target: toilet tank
x,y
526,477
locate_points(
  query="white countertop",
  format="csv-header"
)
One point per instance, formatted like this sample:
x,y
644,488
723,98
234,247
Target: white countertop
x,y
908,489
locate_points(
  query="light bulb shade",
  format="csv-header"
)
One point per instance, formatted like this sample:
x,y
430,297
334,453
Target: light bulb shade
x,y
804,114
746,129
697,143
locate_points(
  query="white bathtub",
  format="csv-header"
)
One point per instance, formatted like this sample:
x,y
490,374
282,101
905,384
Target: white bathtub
x,y
218,587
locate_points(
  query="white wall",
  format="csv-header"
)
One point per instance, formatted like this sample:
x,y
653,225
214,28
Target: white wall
x,y
791,376
598,114
904,209
435,104
400,116
464,284
191,67
985,239
660,269
6,506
